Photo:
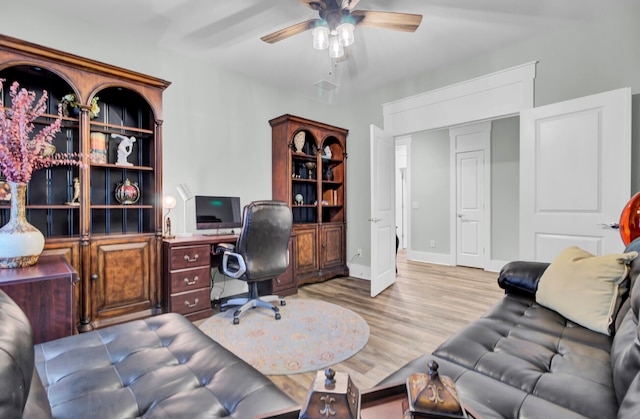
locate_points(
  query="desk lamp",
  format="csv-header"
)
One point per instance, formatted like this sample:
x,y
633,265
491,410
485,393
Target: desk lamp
x,y
168,202
186,195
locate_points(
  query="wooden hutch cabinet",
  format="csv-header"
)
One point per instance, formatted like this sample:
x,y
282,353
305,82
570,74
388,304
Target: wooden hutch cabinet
x,y
113,243
309,172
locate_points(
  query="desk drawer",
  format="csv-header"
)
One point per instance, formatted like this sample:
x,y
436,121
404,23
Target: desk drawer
x,y
190,256
189,279
189,302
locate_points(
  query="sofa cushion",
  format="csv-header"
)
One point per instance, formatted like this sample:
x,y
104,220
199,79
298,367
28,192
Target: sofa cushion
x,y
524,360
625,351
584,288
162,366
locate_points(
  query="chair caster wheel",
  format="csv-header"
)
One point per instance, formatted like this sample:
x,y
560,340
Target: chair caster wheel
x,y
278,316
236,320
283,303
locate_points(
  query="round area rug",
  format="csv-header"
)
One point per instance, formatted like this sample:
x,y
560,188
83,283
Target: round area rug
x,y
311,335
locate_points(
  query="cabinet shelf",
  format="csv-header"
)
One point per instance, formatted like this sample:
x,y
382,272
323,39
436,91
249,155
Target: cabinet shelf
x,y
54,207
113,127
117,166
118,207
303,157
46,207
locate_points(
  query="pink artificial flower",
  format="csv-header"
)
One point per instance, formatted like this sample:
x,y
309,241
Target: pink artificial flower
x,y
20,153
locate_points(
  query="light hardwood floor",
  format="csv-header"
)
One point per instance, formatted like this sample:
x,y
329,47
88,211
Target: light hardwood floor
x,y
426,305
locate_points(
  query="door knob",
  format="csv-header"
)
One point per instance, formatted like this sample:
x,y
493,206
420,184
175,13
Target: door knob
x,y
610,226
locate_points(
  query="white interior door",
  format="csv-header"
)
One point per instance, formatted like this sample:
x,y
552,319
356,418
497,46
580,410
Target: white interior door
x,y
470,193
575,174
470,208
383,238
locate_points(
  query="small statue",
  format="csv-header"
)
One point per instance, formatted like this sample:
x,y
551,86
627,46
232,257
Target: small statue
x,y
298,142
327,152
167,230
124,149
75,201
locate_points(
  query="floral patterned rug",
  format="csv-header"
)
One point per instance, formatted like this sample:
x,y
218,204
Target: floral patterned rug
x,y
311,335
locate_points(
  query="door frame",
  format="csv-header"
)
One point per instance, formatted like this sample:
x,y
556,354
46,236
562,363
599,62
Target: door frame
x,y
496,95
405,239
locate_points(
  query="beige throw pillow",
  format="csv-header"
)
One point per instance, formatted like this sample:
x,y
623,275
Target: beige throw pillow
x,y
584,288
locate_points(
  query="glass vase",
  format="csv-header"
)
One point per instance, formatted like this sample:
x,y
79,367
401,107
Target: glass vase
x,y
20,243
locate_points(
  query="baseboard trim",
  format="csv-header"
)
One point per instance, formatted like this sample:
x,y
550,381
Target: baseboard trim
x,y
360,271
427,257
364,271
495,265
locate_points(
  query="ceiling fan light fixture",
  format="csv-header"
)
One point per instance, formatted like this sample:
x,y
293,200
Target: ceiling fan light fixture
x,y
345,34
320,37
336,50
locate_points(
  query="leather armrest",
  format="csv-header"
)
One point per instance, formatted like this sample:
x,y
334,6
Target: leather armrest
x,y
521,277
233,265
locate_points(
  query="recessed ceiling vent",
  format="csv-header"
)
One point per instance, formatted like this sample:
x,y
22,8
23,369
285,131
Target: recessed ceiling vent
x,y
326,85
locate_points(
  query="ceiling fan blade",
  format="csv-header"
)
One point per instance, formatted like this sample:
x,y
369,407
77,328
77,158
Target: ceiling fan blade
x,y
290,31
315,4
406,22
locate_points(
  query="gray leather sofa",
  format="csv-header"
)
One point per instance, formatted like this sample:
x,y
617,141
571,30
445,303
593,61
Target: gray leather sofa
x,y
160,367
522,360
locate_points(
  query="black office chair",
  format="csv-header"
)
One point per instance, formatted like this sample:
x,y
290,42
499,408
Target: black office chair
x,y
260,254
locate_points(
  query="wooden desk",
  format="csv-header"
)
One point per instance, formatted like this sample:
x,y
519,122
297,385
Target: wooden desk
x,y
45,292
186,273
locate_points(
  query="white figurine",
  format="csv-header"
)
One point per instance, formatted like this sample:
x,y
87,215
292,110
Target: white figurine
x,y
124,149
75,201
327,152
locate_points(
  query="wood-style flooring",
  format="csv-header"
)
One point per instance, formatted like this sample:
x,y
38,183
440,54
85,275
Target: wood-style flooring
x,y
426,305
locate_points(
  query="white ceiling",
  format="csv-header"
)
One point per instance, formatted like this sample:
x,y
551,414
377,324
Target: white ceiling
x,y
227,34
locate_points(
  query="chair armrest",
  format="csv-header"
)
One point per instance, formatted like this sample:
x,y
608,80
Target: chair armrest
x,y
225,247
521,277
237,268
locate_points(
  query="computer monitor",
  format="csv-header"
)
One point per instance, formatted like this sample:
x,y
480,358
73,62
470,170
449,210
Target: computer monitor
x,y
218,212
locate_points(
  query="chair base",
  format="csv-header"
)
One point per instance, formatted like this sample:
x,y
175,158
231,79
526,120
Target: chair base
x,y
253,301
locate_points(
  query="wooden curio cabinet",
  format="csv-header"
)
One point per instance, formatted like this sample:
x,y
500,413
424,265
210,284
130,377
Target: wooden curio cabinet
x,y
114,244
309,172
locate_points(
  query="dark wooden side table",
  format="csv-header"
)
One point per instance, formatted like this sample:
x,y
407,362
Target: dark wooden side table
x,y
45,292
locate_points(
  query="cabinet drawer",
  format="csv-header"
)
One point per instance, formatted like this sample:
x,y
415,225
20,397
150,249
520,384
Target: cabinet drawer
x,y
189,302
189,279
190,256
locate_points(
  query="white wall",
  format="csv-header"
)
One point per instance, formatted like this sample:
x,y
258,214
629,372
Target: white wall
x,y
430,182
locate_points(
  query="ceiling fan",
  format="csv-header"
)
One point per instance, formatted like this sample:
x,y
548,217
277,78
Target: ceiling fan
x,y
334,28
